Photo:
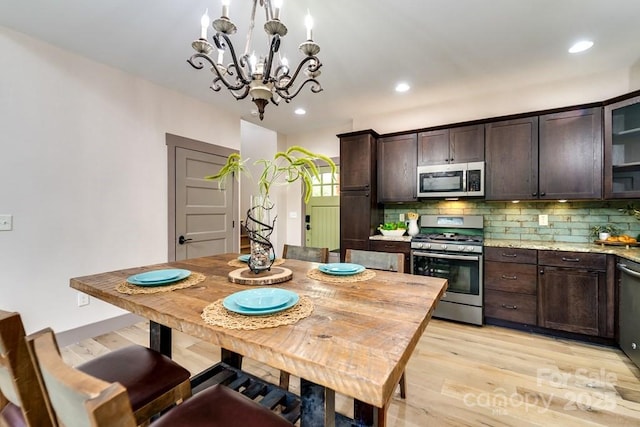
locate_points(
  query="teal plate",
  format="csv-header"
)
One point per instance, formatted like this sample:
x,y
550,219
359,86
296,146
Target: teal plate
x,y
341,268
158,277
251,296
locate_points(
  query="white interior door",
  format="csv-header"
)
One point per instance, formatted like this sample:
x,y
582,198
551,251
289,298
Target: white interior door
x,y
204,212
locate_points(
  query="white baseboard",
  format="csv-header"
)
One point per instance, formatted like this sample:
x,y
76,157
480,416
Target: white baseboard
x,y
95,329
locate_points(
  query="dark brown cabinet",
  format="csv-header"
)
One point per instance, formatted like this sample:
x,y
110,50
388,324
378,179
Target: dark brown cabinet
x,y
360,214
397,163
511,150
570,155
622,149
394,247
575,293
550,157
510,285
455,145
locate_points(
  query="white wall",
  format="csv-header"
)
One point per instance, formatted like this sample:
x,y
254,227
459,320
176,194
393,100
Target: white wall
x,y
83,171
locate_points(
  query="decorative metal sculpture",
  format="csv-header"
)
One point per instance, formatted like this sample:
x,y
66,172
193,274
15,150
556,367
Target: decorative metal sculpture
x,y
259,229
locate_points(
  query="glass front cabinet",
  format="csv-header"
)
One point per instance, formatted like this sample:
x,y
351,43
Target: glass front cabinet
x,y
622,149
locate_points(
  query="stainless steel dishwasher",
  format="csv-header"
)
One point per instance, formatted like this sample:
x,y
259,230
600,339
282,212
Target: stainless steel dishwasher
x,y
630,309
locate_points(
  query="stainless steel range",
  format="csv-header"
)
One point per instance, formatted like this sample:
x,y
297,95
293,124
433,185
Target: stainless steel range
x,y
450,247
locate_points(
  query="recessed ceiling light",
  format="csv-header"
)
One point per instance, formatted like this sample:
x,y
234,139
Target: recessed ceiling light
x,y
300,111
402,87
581,46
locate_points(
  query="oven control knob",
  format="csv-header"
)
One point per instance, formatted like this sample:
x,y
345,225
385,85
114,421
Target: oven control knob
x,y
470,248
426,245
444,247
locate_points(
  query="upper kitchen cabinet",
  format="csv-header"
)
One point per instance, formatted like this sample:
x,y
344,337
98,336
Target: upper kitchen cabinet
x,y
622,149
512,159
570,155
357,161
455,145
360,213
397,163
549,157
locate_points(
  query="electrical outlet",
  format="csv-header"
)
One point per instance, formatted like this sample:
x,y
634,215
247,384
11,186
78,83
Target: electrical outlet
x,y
401,217
83,299
543,219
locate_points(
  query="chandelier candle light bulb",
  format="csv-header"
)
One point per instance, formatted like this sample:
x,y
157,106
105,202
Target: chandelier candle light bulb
x,y
277,4
308,22
204,24
225,8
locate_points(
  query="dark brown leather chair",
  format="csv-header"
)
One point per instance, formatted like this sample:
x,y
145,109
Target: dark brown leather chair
x,y
154,382
79,399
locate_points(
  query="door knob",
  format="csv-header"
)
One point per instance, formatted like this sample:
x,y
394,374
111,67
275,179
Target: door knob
x,y
182,240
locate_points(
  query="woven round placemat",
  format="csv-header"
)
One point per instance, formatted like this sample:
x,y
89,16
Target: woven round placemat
x,y
127,288
215,314
360,277
238,263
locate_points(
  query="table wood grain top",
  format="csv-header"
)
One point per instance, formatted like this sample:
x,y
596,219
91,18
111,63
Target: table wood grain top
x,y
357,341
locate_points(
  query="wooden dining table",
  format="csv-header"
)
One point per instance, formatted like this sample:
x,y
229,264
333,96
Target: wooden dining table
x,y
356,342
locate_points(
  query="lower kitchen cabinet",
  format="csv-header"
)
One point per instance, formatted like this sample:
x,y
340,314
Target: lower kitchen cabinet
x,y
510,277
566,292
573,293
394,247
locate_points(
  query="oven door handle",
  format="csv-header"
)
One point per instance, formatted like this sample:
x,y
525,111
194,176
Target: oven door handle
x,y
446,256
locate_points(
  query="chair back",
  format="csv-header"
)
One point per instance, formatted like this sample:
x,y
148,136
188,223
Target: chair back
x,y
306,253
78,399
19,383
387,261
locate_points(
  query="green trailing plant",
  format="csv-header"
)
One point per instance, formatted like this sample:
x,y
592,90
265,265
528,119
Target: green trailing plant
x,y
296,163
631,210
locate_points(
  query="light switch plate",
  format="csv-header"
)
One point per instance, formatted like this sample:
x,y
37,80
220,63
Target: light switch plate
x,y
6,222
543,219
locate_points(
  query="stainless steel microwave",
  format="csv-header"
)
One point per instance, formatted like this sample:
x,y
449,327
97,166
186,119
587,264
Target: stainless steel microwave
x,y
451,180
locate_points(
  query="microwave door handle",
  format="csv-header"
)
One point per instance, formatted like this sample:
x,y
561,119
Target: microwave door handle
x,y
446,256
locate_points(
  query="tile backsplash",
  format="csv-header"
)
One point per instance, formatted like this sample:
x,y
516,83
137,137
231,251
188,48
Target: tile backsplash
x,y
568,222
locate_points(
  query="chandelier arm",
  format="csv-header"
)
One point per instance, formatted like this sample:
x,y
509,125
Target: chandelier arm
x,y
236,64
197,61
291,79
316,88
275,45
238,96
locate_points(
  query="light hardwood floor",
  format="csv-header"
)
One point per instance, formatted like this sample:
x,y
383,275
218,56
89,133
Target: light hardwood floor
x,y
463,375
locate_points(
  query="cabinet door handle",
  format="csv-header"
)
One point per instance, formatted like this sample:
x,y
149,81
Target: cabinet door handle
x,y
509,255
534,194
509,277
543,194
510,307
570,259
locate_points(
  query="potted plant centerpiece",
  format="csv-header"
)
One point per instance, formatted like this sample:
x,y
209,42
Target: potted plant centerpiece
x,y
286,167
603,232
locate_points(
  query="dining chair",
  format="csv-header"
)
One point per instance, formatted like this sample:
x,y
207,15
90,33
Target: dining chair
x,y
153,381
22,400
302,253
82,400
387,261
305,253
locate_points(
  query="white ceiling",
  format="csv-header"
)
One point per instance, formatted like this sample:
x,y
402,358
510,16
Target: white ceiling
x,y
442,48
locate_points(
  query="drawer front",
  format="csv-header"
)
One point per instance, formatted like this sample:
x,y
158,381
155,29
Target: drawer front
x,y
512,307
390,246
520,256
509,277
573,259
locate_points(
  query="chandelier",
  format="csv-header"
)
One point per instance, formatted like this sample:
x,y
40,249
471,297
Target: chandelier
x,y
266,77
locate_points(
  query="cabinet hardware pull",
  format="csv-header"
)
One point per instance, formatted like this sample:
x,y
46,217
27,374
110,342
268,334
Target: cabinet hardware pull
x,y
510,307
509,255
509,277
634,346
543,194
534,194
571,259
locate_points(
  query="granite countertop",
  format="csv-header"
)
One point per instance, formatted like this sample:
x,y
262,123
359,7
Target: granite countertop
x,y
631,253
